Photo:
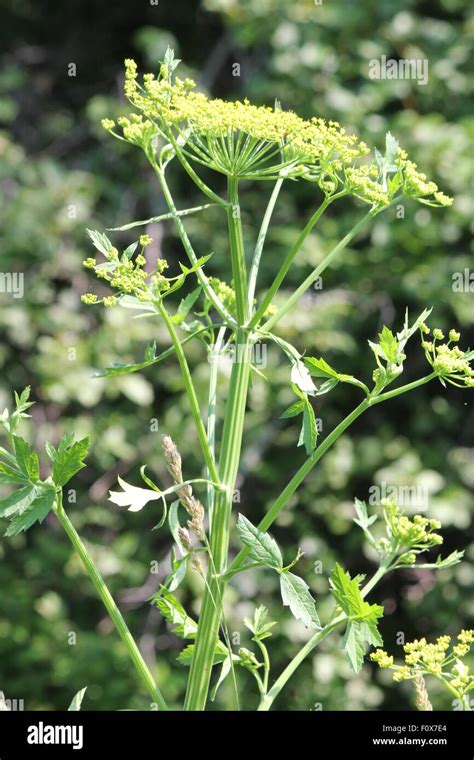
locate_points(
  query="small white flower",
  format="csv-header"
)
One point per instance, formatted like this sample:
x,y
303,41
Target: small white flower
x,y
132,497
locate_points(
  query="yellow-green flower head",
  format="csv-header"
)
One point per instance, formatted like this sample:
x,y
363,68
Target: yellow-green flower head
x,y
126,275
226,295
89,298
382,659
402,674
423,658
243,140
450,363
417,532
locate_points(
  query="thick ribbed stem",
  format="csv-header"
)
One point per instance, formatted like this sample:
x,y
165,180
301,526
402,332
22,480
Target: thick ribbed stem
x,y
211,611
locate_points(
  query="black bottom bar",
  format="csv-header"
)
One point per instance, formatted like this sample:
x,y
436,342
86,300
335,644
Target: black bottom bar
x,y
371,734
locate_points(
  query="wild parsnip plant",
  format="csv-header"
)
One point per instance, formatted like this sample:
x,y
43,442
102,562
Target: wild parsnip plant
x,y
175,125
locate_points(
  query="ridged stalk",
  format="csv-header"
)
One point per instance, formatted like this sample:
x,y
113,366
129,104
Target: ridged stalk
x,y
211,610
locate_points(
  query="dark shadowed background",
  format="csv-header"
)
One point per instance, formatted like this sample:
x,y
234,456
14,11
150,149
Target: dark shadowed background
x,y
60,173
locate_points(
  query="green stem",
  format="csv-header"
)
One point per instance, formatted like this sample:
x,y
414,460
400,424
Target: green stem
x,y
287,263
270,697
403,389
297,479
111,608
211,610
194,176
211,412
266,665
188,383
261,241
289,302
300,475
209,619
239,271
203,280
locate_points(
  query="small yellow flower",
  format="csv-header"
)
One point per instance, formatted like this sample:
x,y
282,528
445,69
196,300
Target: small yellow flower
x,y
89,298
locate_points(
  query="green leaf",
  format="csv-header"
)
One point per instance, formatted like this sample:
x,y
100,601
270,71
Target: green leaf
x,y
22,403
161,218
170,62
370,632
357,634
320,368
174,524
11,475
225,670
326,387
129,251
128,301
408,331
353,643
17,501
347,594
363,520
309,430
26,459
220,654
77,700
150,358
37,510
259,625
263,548
452,559
178,571
293,410
69,459
186,305
389,346
296,595
100,241
363,617
150,352
391,148
174,612
9,458
197,264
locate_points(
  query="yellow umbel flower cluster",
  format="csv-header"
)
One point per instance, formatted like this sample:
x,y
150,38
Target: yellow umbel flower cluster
x,y
416,533
450,363
126,275
241,140
423,658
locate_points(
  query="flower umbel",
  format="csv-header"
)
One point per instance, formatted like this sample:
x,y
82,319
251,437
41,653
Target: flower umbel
x,y
425,659
451,364
245,141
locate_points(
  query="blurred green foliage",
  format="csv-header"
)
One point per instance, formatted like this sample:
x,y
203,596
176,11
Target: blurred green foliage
x,y
60,173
